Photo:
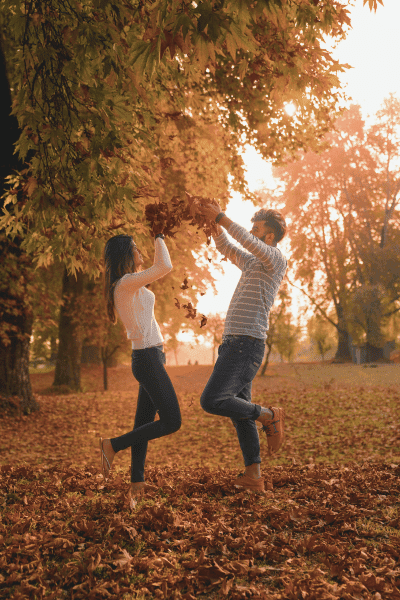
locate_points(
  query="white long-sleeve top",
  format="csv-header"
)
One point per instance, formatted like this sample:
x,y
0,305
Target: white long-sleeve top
x,y
134,303
263,268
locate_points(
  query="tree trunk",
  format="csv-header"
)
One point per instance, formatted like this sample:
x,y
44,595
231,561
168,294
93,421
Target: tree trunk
x,y
343,353
105,375
14,346
68,365
15,272
176,356
321,350
106,359
374,354
375,339
265,365
14,374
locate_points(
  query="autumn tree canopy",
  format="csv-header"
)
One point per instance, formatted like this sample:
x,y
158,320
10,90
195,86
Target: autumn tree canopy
x,y
99,89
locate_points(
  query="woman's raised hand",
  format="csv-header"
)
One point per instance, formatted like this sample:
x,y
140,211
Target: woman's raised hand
x,y
158,227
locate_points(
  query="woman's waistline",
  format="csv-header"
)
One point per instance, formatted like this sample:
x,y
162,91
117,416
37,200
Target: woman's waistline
x,y
147,348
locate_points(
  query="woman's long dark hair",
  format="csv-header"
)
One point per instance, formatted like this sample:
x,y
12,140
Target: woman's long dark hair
x,y
119,260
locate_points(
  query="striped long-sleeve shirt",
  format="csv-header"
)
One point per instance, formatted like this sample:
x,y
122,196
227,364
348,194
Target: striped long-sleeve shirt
x,y
263,268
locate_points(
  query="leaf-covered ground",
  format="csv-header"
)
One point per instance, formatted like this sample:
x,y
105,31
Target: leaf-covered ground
x,y
330,528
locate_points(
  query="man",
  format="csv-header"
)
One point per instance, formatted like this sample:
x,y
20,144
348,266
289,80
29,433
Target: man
x,y
228,391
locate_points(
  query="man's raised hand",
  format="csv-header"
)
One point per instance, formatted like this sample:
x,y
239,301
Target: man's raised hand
x,y
210,210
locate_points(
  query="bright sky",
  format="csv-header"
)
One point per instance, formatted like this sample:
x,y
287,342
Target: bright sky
x,y
372,48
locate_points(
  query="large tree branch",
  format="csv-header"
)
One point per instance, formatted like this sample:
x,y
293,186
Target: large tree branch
x,y
388,213
340,253
318,306
107,355
324,256
350,236
388,314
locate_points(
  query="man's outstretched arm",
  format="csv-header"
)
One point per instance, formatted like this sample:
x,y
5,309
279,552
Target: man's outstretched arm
x,y
269,256
211,210
230,251
219,230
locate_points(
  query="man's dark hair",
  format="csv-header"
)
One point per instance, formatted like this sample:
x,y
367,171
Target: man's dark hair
x,y
273,220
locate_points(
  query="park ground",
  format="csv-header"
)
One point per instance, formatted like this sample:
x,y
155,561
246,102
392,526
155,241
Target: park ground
x,y
330,528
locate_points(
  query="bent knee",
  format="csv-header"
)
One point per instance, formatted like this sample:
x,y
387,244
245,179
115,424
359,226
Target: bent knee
x,y
174,426
207,404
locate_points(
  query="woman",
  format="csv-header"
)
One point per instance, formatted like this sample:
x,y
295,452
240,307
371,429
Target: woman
x,y
128,298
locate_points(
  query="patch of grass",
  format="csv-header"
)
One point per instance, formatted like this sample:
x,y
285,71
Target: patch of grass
x,y
342,374
372,528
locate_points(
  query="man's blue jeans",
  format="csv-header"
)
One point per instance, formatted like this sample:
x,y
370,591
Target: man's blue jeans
x,y
228,391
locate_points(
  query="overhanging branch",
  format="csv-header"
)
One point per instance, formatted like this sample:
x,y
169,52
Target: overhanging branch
x,y
318,306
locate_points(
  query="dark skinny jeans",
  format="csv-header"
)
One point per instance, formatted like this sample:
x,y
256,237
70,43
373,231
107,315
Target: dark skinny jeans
x,y
156,394
228,391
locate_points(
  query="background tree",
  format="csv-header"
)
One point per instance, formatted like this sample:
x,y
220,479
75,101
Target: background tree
x,y
68,365
213,332
46,304
278,312
287,337
392,329
170,332
320,333
341,202
378,291
114,340
91,325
